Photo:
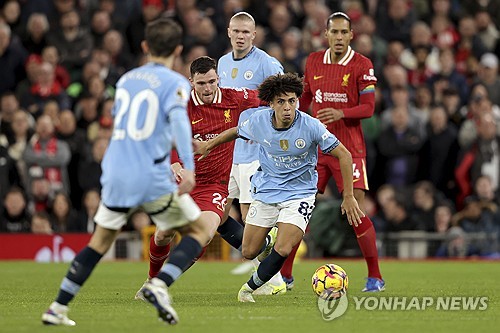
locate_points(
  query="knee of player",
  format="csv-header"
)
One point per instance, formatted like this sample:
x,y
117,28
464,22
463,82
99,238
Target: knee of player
x,y
249,252
283,249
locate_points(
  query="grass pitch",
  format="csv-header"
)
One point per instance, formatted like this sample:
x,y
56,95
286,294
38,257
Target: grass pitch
x,y
205,299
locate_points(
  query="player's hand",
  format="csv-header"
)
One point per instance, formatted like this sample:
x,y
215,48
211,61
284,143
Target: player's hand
x,y
177,169
351,208
201,148
187,182
329,115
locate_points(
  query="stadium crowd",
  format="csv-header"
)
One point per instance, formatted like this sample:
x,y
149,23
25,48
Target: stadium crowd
x,y
433,143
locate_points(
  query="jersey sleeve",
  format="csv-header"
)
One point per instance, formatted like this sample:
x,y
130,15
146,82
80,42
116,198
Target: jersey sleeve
x,y
245,129
366,78
248,99
272,66
326,140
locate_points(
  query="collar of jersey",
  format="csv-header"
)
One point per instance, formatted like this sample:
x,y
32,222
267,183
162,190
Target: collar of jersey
x,y
285,129
248,54
327,57
197,101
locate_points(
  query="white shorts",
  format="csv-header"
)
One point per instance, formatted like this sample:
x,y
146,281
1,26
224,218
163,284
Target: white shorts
x,y
239,181
296,212
167,212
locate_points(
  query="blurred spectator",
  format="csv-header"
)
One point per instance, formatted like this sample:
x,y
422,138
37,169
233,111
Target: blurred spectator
x,y
9,175
279,22
63,217
483,158
438,156
396,21
72,41
15,216
103,127
393,76
384,194
8,107
120,57
89,171
77,88
216,44
90,203
52,109
292,52
48,157
76,140
479,217
483,190
86,111
34,38
424,204
451,104
22,133
100,24
488,75
444,34
454,243
487,30
11,13
479,104
50,54
398,217
365,25
469,45
421,73
40,194
448,77
108,72
44,88
314,27
40,224
12,58
151,10
397,146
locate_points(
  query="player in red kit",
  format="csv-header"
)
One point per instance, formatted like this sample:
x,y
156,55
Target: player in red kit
x,y
211,110
340,83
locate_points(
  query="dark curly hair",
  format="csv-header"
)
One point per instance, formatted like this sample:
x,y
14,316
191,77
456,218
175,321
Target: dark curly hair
x,y
279,84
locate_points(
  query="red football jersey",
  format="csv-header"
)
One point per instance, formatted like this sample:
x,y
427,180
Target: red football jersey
x,y
340,86
209,120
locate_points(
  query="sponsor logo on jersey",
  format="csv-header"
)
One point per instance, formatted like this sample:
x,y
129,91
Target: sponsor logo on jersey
x,y
193,122
345,80
227,116
300,143
370,76
326,96
234,73
284,145
248,75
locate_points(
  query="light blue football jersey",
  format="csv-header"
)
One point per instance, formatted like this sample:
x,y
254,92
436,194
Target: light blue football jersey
x,y
247,72
149,114
287,157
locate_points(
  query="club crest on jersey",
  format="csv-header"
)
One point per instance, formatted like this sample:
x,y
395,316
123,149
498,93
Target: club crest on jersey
x,y
300,143
234,72
227,116
345,80
248,75
284,145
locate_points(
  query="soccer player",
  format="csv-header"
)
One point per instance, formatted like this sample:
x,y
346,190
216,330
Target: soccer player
x,y
149,113
246,66
341,85
211,111
284,187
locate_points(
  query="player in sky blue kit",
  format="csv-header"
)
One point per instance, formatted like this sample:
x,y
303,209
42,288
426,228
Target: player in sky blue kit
x,y
285,185
246,66
149,114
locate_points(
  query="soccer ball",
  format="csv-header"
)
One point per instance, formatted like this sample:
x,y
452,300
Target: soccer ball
x,y
330,281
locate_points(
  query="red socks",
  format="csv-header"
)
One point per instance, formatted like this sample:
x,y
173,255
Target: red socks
x,y
366,237
157,256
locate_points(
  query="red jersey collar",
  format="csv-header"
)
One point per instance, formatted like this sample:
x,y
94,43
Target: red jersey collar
x,y
197,101
327,58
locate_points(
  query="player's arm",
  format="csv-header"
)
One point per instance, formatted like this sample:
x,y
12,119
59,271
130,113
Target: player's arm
x,y
182,135
349,204
204,148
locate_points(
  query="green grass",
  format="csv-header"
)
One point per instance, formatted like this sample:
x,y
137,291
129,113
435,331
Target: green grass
x,y
205,298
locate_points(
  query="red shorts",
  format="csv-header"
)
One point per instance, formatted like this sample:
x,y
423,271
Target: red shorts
x,y
329,166
210,197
